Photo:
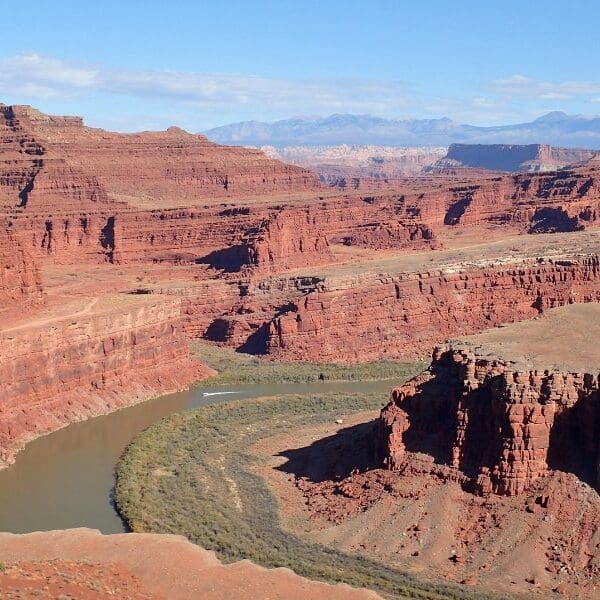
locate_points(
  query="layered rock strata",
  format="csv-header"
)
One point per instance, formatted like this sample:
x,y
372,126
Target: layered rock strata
x,y
402,316
89,358
60,155
20,279
290,239
501,426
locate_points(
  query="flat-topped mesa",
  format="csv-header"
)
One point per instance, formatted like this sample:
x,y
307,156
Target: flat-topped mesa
x,y
501,424
173,166
148,168
510,157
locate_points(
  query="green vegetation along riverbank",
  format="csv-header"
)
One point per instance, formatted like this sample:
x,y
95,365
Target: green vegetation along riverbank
x,y
235,368
191,474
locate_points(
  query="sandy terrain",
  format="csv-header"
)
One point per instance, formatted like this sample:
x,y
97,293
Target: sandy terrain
x,y
563,338
82,563
422,520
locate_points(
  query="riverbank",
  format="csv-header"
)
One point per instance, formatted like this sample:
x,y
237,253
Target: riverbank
x,y
191,474
235,368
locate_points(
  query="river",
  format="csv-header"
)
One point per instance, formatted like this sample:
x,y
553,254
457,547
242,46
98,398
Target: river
x,y
65,479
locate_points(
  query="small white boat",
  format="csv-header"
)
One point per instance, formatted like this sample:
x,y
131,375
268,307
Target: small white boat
x,y
218,393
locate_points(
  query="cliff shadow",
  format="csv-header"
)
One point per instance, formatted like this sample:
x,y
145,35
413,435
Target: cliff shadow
x,y
432,419
230,260
334,457
443,421
486,429
256,342
457,210
574,440
553,220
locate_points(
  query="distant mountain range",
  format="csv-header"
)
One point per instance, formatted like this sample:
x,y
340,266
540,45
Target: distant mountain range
x,y
555,128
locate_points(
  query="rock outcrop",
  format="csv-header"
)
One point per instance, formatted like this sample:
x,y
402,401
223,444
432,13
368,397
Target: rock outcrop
x,y
501,424
288,240
393,235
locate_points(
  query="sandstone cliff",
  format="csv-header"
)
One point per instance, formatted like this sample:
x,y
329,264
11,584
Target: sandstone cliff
x,y
20,279
87,358
150,167
402,316
502,424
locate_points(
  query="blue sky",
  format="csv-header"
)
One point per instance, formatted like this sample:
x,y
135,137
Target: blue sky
x,y
145,65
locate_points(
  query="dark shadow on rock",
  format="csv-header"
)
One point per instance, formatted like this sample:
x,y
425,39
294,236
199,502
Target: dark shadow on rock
x,y
457,210
574,438
334,457
256,343
230,260
553,220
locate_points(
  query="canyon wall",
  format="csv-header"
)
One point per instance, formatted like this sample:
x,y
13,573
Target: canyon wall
x,y
149,168
20,279
288,240
76,194
89,358
501,428
378,316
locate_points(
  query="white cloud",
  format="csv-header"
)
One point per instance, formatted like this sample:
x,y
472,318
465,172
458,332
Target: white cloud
x,y
519,85
206,99
42,77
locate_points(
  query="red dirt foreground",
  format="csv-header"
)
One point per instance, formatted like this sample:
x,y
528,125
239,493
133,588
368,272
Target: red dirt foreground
x,y
83,564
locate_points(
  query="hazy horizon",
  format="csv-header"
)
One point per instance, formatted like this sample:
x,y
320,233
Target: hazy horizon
x,y
134,66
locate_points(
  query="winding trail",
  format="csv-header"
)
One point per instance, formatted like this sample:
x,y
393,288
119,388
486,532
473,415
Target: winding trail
x,y
39,322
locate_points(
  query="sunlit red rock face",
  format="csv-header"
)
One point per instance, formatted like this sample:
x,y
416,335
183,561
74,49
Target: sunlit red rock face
x,y
289,239
75,192
160,167
566,200
378,316
87,358
20,279
502,428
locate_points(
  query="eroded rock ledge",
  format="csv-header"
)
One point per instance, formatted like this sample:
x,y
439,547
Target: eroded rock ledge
x,y
500,425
